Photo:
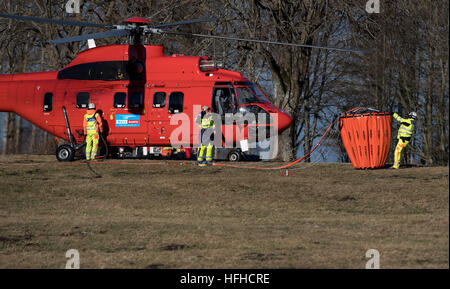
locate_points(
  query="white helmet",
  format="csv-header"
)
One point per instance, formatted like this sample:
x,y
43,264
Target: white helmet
x,y
91,105
412,114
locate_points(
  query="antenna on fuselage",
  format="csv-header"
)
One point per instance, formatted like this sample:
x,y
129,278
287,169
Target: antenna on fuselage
x,y
91,43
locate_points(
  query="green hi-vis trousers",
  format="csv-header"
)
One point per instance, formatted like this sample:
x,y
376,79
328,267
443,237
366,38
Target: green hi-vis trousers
x,y
401,145
91,145
206,146
201,154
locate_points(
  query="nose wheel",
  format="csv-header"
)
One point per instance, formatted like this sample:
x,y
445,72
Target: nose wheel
x,y
65,153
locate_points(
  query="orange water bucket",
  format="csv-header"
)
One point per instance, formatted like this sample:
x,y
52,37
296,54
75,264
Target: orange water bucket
x,y
366,138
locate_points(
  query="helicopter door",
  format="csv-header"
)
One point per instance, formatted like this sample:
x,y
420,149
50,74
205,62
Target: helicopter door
x,y
158,117
130,118
116,114
223,101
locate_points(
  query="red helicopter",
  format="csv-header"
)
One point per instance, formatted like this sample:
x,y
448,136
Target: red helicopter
x,y
136,88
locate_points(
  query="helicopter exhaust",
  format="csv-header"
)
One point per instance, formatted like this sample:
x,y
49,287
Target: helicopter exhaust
x,y
209,65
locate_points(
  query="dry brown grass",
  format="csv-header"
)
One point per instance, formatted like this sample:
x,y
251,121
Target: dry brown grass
x,y
153,216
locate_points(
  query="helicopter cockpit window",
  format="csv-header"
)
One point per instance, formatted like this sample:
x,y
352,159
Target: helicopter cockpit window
x,y
82,100
48,101
248,95
256,91
176,102
159,99
120,99
136,100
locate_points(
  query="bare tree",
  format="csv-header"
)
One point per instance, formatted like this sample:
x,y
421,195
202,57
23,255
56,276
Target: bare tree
x,y
404,66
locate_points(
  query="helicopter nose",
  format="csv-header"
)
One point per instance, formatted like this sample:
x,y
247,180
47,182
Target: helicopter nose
x,y
284,121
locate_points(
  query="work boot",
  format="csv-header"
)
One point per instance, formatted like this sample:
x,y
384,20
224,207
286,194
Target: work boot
x,y
394,167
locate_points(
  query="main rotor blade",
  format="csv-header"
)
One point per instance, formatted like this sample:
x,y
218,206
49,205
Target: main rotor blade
x,y
263,41
54,21
112,33
186,22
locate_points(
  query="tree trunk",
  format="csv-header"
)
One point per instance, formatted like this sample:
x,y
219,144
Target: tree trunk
x,y
33,139
428,132
285,149
17,134
5,134
443,134
307,137
10,130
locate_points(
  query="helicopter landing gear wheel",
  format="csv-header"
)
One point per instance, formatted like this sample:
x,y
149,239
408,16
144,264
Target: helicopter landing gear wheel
x,y
65,153
234,156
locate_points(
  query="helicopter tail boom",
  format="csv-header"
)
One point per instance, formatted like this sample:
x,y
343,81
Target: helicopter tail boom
x,y
24,84
6,100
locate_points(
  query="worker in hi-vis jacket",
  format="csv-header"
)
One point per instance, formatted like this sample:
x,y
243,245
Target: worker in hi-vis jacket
x,y
404,135
92,126
205,121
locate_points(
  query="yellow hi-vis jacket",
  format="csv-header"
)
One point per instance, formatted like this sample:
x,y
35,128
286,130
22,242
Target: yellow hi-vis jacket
x,y
92,123
407,126
205,121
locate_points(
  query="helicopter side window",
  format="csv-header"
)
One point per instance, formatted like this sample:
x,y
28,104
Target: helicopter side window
x,y
159,99
120,99
82,99
109,71
176,102
105,70
48,101
136,100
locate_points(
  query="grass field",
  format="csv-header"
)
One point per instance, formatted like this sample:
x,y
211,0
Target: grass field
x,y
139,214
